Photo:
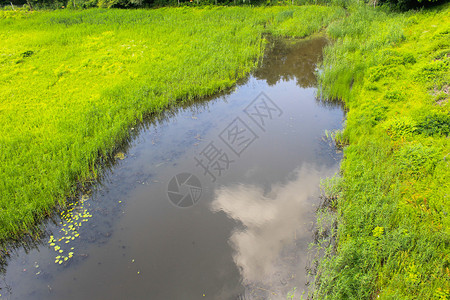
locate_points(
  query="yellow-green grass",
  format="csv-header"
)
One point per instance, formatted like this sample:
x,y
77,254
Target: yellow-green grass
x,y
392,71
74,82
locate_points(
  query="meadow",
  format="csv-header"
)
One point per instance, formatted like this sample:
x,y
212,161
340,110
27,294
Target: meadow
x,y
389,208
74,83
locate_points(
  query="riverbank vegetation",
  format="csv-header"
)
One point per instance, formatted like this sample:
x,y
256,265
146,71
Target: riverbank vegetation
x,y
392,202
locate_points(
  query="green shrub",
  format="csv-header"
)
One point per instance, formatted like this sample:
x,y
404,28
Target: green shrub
x,y
435,124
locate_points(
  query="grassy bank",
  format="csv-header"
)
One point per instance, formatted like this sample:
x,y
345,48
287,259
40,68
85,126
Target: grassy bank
x,y
392,202
75,82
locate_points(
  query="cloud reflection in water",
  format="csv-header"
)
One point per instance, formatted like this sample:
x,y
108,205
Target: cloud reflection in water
x,y
270,246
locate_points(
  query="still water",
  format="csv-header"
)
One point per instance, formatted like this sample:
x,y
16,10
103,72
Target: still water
x,y
215,200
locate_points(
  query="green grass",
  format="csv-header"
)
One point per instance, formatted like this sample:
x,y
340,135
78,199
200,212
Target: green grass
x,y
392,201
75,82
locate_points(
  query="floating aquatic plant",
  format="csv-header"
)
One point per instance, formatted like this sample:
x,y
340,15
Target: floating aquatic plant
x,y
71,220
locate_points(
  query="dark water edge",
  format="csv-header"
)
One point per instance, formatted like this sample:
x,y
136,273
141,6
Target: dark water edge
x,y
226,246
